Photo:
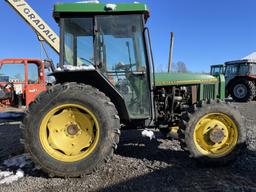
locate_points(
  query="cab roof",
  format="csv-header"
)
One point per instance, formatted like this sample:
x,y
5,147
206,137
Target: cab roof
x,y
99,8
243,61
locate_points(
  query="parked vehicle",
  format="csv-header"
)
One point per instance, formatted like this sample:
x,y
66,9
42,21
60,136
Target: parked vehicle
x,y
18,92
106,79
217,69
24,80
240,78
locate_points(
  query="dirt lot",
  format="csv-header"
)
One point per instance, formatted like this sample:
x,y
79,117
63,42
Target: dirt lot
x,y
142,165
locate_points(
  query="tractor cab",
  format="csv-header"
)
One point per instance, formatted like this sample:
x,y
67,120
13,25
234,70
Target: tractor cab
x,y
217,69
241,68
109,39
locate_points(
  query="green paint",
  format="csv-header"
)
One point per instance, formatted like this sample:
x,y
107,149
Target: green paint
x,y
208,86
222,85
201,92
99,8
165,79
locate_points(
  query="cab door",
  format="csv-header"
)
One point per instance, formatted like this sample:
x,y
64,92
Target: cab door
x,y
121,56
231,72
35,81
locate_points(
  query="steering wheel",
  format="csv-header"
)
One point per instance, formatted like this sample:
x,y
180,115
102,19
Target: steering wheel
x,y
7,84
86,60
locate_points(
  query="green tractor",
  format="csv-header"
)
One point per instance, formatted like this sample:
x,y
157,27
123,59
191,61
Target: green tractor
x,y
106,81
217,69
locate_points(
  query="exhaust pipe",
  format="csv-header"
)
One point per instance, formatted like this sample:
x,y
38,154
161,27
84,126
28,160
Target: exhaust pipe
x,y
171,53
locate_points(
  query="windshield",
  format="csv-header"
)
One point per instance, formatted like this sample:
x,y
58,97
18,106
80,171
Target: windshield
x,y
238,69
120,41
216,70
231,70
14,72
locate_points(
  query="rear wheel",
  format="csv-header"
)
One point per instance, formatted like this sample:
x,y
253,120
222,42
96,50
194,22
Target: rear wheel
x,y
242,90
214,133
71,129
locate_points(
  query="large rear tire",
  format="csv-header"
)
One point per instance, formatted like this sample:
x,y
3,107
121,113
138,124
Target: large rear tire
x,y
71,129
214,133
242,90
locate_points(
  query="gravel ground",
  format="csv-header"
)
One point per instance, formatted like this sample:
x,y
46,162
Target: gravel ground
x,y
142,165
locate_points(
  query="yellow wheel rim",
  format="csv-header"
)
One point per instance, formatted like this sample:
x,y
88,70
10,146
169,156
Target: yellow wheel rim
x,y
215,135
69,132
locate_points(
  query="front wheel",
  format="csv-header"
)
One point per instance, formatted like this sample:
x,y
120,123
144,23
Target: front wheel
x,y
214,133
71,129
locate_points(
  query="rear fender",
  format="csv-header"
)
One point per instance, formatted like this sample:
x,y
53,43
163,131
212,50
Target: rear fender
x,y
97,80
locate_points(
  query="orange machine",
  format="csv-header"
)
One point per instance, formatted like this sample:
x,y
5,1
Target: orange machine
x,y
18,91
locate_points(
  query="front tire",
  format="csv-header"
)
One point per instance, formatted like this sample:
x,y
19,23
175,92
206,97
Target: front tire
x,y
214,133
71,129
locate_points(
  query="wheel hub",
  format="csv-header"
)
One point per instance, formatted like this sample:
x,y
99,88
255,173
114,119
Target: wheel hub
x,y
72,129
240,91
216,135
69,132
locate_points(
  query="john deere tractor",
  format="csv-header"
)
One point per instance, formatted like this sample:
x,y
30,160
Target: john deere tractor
x,y
106,81
217,69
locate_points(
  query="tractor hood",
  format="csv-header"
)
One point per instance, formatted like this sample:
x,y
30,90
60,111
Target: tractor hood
x,y
165,79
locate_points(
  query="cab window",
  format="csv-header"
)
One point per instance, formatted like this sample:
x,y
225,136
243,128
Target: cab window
x,y
13,72
32,73
231,69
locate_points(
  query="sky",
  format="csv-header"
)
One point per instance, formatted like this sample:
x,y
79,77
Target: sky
x,y
206,31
